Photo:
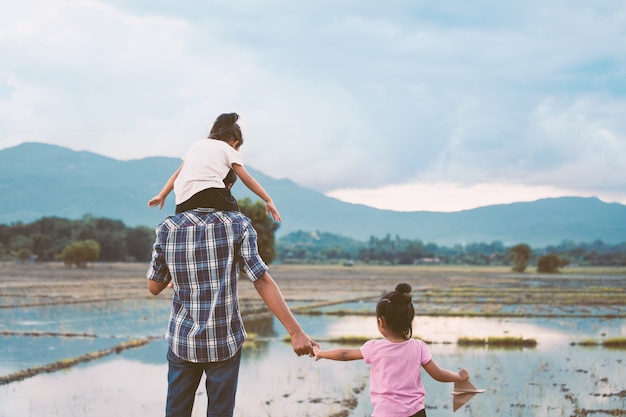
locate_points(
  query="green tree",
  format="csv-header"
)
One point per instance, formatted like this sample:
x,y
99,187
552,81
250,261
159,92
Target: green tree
x,y
50,235
110,234
549,263
139,242
80,252
20,241
23,255
264,226
520,254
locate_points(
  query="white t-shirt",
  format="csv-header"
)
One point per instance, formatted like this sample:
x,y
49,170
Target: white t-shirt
x,y
206,164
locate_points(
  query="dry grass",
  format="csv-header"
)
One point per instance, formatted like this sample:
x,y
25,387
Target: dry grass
x,y
616,342
497,341
439,290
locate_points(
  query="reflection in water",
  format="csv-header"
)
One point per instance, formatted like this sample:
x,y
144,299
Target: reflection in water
x,y
263,327
548,332
23,352
550,379
126,318
274,382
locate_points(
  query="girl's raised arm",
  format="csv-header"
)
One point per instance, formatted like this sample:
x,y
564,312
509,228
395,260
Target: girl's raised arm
x,y
256,188
159,199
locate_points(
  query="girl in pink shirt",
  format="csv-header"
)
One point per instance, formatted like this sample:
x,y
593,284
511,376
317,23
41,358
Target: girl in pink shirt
x,y
396,387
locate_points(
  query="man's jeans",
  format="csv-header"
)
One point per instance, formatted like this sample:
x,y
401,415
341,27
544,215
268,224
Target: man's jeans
x,y
184,377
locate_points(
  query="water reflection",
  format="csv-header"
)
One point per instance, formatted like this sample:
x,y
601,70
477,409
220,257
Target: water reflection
x,y
548,332
132,318
550,379
23,352
274,382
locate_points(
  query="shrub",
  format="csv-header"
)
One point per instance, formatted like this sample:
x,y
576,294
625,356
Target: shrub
x,y
520,255
80,252
549,263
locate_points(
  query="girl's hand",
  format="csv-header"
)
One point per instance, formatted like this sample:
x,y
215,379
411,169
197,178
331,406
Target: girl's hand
x,y
464,374
316,352
270,208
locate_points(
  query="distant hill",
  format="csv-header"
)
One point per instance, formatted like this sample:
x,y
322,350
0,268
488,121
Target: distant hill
x,y
39,180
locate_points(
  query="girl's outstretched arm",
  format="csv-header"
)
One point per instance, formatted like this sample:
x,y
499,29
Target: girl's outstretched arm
x,y
443,375
159,199
257,189
339,354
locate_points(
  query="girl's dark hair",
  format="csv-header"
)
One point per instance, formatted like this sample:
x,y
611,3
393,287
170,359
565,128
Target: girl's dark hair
x,y
226,128
397,310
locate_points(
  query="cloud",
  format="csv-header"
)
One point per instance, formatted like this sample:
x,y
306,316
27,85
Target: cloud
x,y
449,197
334,96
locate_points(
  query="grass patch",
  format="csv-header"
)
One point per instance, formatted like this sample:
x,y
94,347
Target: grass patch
x,y
41,334
471,341
349,340
615,343
497,341
511,341
69,362
588,342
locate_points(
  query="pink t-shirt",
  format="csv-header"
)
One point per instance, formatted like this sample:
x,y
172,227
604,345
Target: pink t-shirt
x,y
207,162
396,388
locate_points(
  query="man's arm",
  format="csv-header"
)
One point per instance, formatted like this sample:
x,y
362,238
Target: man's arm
x,y
273,298
158,273
156,287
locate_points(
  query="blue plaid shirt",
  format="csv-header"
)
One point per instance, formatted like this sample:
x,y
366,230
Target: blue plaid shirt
x,y
202,251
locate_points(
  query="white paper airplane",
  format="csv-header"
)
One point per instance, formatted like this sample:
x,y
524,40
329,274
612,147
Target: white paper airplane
x,y
463,392
465,387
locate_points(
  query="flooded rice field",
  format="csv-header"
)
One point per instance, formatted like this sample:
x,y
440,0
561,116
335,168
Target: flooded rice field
x,y
568,373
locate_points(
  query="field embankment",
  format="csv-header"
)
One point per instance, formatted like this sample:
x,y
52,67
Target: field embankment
x,y
437,290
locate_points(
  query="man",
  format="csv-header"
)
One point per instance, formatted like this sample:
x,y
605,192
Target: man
x,y
200,252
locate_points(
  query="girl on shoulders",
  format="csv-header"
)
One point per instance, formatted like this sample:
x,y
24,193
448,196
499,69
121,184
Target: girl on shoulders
x,y
202,180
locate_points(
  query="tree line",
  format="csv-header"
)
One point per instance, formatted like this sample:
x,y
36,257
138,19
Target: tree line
x,y
45,240
89,239
319,247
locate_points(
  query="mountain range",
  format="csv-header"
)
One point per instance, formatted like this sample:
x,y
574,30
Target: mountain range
x,y
41,180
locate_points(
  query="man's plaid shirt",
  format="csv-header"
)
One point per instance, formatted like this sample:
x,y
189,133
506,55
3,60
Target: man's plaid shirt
x,y
202,251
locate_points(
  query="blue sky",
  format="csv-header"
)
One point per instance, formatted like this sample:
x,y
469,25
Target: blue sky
x,y
408,105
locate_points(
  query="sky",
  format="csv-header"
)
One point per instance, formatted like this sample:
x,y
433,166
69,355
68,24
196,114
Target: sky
x,y
405,105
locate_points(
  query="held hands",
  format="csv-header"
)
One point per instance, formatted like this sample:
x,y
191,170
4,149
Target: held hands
x,y
316,351
303,345
157,200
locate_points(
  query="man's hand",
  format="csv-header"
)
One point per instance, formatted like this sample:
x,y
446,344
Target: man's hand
x,y
302,344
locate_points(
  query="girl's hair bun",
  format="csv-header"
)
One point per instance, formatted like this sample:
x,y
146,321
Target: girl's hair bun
x,y
397,309
227,118
226,128
403,288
